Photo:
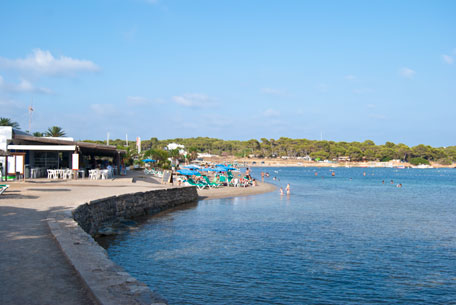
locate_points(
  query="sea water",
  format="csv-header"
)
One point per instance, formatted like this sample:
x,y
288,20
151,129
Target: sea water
x,y
343,239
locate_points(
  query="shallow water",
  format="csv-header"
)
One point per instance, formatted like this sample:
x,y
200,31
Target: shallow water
x,y
334,240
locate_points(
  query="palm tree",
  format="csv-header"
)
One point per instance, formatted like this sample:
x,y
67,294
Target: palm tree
x,y
55,131
38,134
9,122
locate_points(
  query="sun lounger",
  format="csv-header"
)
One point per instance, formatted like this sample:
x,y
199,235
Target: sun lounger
x,y
223,180
200,186
3,188
211,184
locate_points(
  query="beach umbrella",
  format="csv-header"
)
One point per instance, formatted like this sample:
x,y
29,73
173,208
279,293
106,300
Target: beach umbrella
x,y
148,160
208,169
192,166
187,172
225,168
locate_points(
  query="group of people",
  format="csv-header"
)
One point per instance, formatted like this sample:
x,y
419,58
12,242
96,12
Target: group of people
x,y
392,182
287,189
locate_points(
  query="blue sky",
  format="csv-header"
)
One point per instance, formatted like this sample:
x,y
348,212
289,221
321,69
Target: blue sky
x,y
347,70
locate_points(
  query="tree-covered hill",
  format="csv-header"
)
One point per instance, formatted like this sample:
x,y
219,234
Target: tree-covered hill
x,y
356,151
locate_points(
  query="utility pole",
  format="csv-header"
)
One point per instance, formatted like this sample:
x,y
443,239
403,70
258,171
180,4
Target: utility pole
x,y
30,110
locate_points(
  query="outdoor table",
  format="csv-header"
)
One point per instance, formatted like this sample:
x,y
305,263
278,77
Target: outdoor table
x,y
82,173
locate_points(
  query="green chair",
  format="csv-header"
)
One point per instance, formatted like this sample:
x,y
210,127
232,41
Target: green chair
x,y
223,180
200,186
3,188
211,184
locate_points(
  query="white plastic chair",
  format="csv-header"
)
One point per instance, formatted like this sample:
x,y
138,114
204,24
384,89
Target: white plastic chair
x,y
104,174
51,174
93,174
67,174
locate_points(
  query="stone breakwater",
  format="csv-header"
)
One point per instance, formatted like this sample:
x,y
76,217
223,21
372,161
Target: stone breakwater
x,y
96,214
107,282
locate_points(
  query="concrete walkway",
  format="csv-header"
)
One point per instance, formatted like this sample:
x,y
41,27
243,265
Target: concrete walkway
x,y
33,269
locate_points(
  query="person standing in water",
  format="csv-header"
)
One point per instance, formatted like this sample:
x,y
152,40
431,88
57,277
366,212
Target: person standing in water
x,y
281,191
288,189
247,173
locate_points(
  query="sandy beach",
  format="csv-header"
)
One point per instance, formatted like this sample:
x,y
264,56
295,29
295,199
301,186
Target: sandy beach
x,y
226,192
294,162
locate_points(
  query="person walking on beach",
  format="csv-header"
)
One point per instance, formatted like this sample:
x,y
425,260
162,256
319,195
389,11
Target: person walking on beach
x,y
288,189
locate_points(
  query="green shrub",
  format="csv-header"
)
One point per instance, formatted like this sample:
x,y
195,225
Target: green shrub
x,y
418,161
445,161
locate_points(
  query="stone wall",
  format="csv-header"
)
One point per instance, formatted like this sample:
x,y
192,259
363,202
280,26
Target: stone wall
x,y
93,215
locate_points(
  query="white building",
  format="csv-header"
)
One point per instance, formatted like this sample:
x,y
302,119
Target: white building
x,y
25,154
173,146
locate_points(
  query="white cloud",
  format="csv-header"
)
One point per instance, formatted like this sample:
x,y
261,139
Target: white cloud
x,y
271,113
322,87
349,77
26,86
407,72
194,100
103,109
130,34
378,116
272,91
371,106
448,59
23,86
44,63
141,101
137,100
362,90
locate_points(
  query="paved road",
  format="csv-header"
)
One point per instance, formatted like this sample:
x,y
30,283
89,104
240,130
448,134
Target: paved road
x,y
33,270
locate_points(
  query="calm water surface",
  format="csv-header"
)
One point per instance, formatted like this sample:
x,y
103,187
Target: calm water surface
x,y
334,240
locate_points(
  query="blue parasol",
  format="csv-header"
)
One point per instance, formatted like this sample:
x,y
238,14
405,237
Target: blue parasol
x,y
225,168
148,160
187,172
208,169
192,166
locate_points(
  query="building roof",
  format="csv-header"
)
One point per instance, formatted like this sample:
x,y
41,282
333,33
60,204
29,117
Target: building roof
x,y
85,147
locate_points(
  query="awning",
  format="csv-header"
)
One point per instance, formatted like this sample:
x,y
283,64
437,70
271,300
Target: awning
x,y
43,147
